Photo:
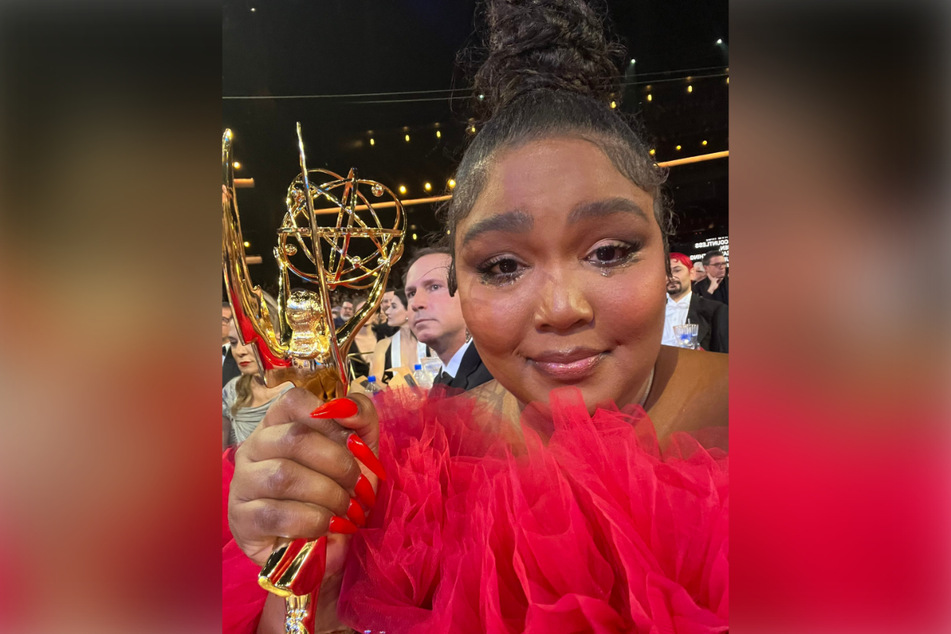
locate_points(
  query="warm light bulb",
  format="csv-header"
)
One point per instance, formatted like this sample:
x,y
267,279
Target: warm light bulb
x,y
451,183
704,142
414,236
678,148
438,134
614,104
728,81
246,244
407,138
689,88
237,165
472,129
372,142
427,186
402,189
653,152
649,98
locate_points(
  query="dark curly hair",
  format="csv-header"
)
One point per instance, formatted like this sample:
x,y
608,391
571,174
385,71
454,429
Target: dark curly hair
x,y
550,71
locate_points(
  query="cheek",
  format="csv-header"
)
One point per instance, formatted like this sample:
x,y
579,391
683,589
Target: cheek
x,y
496,319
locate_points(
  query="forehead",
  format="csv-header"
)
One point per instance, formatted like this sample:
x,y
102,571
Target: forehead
x,y
677,265
429,268
547,178
226,311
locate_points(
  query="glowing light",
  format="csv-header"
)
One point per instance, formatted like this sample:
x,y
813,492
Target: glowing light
x,y
451,182
649,98
427,186
614,104
633,60
653,152
728,81
402,189
246,244
689,88
704,142
372,142
253,9
414,236
407,138
472,129
719,41
438,134
678,148
237,165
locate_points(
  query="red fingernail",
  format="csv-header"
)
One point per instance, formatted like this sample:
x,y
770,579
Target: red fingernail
x,y
364,491
356,514
365,455
337,408
342,525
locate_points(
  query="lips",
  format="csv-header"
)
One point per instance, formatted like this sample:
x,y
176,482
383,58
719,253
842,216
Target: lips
x,y
568,365
244,363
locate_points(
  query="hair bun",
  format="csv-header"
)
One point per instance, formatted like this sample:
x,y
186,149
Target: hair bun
x,y
538,44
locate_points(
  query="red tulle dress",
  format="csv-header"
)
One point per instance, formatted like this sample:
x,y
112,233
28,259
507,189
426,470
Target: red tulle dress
x,y
572,523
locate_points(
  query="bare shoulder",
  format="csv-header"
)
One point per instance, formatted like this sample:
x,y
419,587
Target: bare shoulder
x,y
690,391
382,344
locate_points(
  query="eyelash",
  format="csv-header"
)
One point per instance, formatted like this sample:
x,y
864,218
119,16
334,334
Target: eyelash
x,y
630,249
500,278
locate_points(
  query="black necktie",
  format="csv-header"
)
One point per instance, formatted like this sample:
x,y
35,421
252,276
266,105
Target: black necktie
x,y
443,378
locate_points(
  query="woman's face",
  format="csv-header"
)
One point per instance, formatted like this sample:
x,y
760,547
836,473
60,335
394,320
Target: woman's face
x,y
394,310
241,353
561,273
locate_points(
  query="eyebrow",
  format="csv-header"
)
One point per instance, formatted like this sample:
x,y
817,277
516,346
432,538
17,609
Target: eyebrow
x,y
511,222
606,207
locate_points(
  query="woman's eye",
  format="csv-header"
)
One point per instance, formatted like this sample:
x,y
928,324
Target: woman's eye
x,y
500,270
507,266
614,253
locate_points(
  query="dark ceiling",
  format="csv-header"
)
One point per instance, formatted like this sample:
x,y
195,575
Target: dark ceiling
x,y
352,70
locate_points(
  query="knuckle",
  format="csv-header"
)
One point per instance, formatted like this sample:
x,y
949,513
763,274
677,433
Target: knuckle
x,y
278,480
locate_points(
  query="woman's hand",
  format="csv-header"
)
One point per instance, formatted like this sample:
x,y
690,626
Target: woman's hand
x,y
298,476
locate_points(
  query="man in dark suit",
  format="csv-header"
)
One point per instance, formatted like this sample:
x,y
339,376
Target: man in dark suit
x,y
436,320
716,284
229,367
686,307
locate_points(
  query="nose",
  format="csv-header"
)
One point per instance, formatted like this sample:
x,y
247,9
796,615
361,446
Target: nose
x,y
417,302
563,304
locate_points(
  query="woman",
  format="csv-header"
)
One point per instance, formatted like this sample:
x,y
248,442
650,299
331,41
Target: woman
x,y
564,496
402,349
245,399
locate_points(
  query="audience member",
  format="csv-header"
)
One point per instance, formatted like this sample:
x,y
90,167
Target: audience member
x,y
697,274
402,349
229,367
686,307
245,399
364,342
716,284
437,320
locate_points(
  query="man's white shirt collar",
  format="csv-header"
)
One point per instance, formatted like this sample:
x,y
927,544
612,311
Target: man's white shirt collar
x,y
452,368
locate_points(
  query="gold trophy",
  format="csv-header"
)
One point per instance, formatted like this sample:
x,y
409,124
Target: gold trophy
x,y
354,250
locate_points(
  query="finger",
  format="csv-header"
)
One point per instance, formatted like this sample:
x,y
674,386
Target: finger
x,y
306,447
296,405
287,480
365,422
282,519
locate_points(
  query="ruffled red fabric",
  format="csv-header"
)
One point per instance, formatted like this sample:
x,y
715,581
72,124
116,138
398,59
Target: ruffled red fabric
x,y
582,525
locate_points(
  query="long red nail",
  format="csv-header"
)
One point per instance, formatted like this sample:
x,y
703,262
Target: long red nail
x,y
365,455
356,514
342,525
337,408
364,491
